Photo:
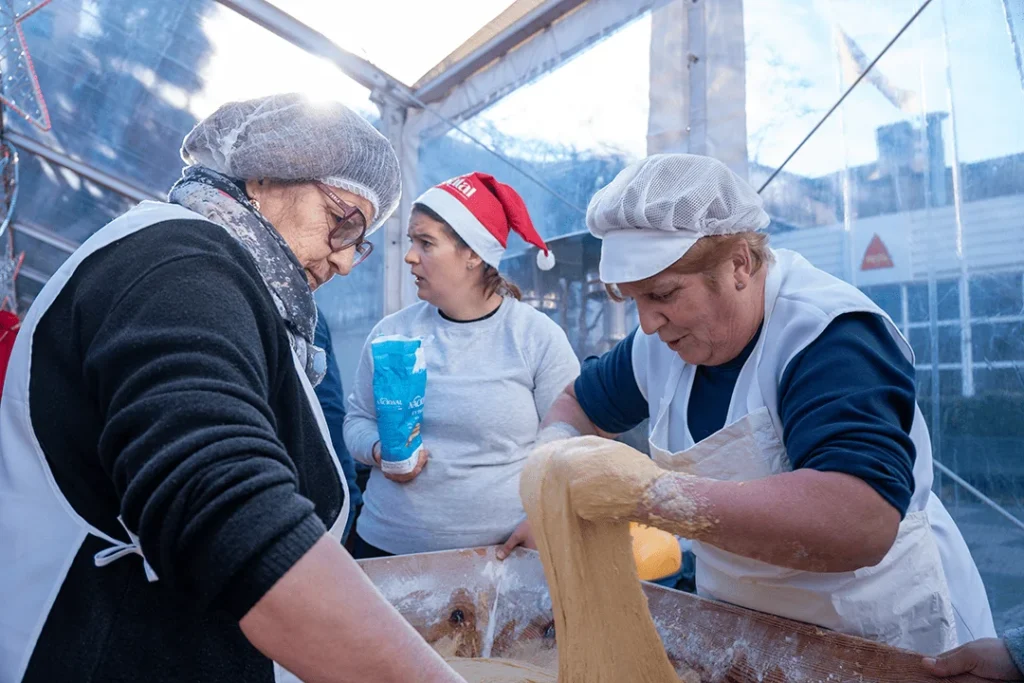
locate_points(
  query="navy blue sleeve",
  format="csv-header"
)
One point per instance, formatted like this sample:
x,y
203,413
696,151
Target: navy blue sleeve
x,y
607,390
847,404
332,401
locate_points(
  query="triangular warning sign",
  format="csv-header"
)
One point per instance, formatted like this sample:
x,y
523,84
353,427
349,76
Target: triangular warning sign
x,y
877,256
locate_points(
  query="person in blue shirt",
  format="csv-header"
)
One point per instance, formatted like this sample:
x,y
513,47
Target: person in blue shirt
x,y
784,436
993,659
332,402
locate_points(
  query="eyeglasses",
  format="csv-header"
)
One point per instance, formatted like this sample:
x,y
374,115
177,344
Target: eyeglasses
x,y
349,229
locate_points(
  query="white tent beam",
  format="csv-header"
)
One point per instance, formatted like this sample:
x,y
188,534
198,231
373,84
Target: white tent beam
x,y
544,51
282,24
698,81
30,273
434,87
46,236
81,168
1015,27
398,286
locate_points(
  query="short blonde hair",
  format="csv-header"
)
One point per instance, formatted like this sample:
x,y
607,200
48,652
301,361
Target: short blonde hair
x,y
710,252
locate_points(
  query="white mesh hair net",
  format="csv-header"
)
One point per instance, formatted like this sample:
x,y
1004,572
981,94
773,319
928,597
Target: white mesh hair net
x,y
677,192
287,137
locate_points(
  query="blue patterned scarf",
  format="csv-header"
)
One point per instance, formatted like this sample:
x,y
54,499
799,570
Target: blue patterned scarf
x,y
222,201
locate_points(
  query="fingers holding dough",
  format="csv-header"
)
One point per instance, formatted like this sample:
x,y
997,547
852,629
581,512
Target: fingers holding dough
x,y
607,479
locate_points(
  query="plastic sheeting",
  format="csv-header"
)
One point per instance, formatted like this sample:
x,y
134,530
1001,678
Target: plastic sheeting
x,y
125,81
560,130
911,189
405,49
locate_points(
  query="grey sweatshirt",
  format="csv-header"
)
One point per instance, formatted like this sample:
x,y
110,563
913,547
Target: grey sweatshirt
x,y
489,384
1015,644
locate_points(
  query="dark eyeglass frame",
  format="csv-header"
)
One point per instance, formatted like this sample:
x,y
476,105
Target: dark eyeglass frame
x,y
352,219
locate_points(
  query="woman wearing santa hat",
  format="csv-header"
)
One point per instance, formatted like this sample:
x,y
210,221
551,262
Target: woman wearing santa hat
x,y
494,367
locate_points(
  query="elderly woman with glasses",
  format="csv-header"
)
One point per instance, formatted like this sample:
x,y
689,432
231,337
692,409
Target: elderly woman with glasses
x,y
159,408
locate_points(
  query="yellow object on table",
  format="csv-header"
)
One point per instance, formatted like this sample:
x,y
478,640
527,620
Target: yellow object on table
x,y
656,552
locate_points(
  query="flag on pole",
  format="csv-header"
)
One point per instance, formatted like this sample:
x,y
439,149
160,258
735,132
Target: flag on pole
x,y
854,62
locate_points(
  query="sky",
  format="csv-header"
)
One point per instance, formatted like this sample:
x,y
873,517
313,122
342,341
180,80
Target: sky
x,y
598,100
406,38
427,33
794,77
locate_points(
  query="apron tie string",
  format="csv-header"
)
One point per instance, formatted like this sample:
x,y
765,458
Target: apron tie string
x,y
119,549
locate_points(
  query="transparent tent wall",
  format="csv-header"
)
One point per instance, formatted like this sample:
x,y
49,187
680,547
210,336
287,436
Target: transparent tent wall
x,y
573,133
573,129
913,189
125,80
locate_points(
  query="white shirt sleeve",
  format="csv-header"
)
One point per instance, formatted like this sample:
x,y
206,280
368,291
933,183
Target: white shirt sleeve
x,y
361,412
556,365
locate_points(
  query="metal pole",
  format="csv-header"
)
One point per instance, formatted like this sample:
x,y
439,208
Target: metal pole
x,y
978,494
81,168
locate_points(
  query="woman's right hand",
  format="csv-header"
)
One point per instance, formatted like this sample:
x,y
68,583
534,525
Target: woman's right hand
x,y
326,598
402,478
522,536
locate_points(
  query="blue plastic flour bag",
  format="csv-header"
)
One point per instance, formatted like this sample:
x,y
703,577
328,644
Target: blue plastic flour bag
x,y
399,383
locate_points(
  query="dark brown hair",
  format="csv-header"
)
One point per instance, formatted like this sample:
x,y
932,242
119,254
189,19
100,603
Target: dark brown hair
x,y
493,281
710,252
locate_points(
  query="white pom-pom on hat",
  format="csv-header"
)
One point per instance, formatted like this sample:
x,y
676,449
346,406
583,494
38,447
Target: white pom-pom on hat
x,y
545,259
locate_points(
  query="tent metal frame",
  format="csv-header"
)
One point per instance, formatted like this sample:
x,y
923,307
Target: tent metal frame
x,y
530,38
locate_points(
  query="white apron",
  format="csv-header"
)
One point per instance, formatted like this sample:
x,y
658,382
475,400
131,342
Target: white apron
x,y
903,601
38,526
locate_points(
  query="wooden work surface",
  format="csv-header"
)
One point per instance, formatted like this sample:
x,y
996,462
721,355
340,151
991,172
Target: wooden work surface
x,y
466,603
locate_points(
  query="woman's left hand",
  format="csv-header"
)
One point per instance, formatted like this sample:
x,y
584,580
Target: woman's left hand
x,y
608,479
987,658
404,478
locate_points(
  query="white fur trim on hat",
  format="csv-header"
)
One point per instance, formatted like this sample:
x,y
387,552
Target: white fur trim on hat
x,y
630,255
462,220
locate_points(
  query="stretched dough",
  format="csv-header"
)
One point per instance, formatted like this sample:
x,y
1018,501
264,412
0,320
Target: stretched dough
x,y
602,624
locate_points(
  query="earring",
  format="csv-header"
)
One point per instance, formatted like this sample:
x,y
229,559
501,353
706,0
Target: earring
x,y
740,285
255,202
469,266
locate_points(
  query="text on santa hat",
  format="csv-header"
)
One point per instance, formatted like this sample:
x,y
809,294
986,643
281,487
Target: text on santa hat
x,y
462,185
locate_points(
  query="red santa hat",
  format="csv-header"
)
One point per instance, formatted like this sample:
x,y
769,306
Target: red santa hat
x,y
9,325
483,211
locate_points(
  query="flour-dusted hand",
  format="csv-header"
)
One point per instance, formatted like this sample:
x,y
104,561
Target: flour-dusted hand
x,y
988,658
608,479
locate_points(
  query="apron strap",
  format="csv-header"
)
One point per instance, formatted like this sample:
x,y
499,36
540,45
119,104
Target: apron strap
x,y
119,549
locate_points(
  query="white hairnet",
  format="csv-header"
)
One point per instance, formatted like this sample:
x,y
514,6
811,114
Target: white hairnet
x,y
657,208
287,137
